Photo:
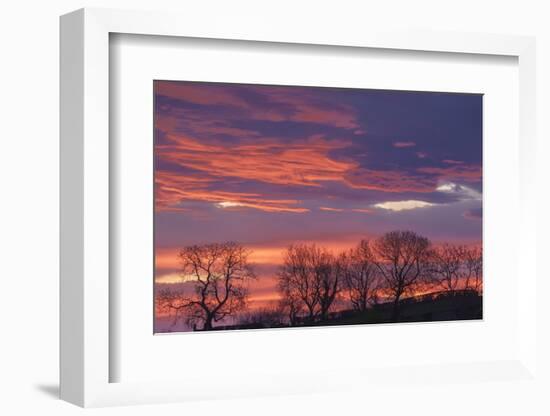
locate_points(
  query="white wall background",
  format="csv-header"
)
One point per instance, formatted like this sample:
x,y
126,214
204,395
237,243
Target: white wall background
x,y
29,195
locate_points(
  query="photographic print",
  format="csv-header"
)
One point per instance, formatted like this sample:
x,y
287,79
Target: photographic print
x,y
294,206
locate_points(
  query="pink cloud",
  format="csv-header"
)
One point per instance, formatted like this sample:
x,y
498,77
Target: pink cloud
x,y
363,210
403,144
389,181
286,104
204,94
171,190
329,209
468,173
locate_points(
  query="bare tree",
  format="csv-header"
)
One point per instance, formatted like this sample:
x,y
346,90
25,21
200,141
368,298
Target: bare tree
x,y
360,275
474,266
290,304
295,282
308,276
401,257
329,279
218,275
447,266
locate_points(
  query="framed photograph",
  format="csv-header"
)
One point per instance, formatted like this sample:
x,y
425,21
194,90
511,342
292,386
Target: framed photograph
x,y
273,199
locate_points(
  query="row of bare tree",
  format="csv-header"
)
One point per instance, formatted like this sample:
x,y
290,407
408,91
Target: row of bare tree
x,y
312,279
395,265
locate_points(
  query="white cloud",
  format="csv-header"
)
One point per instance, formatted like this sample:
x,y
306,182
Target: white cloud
x,y
446,187
229,204
463,192
403,205
170,278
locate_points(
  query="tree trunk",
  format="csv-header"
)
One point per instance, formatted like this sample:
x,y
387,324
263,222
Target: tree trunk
x,y
207,323
311,316
395,312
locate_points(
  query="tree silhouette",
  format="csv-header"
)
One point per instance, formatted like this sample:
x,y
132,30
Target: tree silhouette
x,y
387,269
308,280
447,266
474,265
360,275
218,275
290,303
402,258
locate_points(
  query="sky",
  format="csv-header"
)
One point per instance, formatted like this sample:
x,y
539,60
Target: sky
x,y
267,166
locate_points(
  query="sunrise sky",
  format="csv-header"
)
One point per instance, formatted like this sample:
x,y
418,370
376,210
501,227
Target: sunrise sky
x,y
266,166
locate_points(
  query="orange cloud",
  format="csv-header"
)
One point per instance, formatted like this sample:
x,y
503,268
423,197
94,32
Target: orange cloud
x,y
171,189
166,258
267,255
305,162
302,163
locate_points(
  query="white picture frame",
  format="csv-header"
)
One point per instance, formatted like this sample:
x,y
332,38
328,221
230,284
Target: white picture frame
x,y
85,209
